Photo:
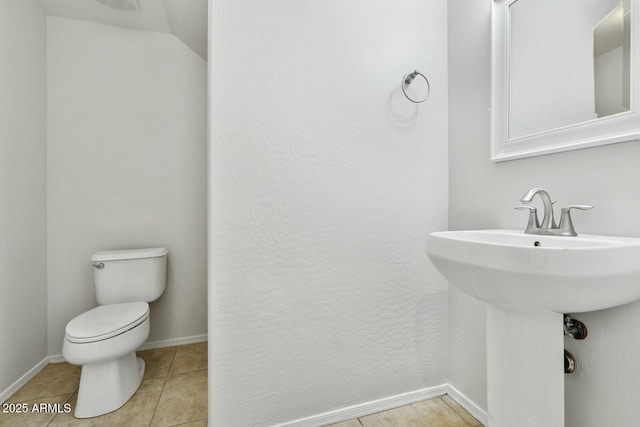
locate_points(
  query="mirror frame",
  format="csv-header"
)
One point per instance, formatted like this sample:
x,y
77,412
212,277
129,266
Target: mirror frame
x,y
619,127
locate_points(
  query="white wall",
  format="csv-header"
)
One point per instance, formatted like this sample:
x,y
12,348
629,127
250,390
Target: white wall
x,y
23,128
469,68
325,183
604,390
126,167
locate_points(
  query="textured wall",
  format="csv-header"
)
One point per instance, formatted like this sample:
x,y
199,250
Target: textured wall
x,y
23,126
604,390
126,167
325,183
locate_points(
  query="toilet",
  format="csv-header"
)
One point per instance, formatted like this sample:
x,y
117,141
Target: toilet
x,y
104,340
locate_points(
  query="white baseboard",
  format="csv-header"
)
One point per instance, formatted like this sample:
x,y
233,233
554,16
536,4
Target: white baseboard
x,y
57,358
174,341
367,408
5,394
468,405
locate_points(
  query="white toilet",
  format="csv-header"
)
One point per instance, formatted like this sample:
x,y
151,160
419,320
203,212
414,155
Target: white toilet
x,y
104,340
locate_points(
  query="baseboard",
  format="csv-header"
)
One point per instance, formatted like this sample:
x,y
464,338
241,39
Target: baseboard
x,y
468,405
367,408
57,358
5,394
174,341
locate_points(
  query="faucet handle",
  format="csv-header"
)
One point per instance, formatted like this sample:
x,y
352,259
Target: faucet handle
x,y
581,207
533,223
566,225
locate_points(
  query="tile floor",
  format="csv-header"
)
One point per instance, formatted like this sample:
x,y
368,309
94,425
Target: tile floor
x,y
174,393
438,412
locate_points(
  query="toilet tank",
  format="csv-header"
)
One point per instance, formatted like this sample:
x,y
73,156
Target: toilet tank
x,y
129,275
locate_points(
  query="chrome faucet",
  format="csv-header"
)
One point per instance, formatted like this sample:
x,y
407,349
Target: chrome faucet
x,y
548,222
548,226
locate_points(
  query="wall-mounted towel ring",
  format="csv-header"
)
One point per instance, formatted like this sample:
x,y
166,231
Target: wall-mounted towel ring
x,y
406,81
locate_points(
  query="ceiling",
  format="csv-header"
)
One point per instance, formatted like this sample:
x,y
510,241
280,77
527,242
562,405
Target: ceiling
x,y
186,19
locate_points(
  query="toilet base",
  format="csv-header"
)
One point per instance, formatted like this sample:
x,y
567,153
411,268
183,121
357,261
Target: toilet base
x,y
106,386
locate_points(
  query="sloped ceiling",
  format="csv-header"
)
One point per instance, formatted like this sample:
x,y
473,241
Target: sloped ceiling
x,y
186,19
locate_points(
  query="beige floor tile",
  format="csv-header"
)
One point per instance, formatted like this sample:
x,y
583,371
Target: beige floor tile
x,y
55,379
461,411
199,423
138,411
350,423
184,399
38,417
428,413
157,361
191,357
60,369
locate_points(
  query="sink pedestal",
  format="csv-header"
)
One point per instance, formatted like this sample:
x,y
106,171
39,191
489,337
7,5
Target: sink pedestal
x,y
525,368
528,281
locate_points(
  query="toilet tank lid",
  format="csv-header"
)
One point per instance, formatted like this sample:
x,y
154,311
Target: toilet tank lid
x,y
129,254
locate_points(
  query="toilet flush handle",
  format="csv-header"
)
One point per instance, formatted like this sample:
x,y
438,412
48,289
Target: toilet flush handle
x,y
99,265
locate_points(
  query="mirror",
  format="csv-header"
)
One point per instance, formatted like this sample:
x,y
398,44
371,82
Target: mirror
x,y
563,75
611,62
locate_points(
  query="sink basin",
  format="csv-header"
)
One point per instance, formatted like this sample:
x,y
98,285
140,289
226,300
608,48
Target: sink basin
x,y
526,272
528,281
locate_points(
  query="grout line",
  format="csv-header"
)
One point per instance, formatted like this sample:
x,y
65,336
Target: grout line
x,y
162,391
173,360
171,373
453,410
188,372
38,398
66,401
360,422
456,412
188,422
158,402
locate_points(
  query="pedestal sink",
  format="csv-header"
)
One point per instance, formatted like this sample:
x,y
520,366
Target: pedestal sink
x,y
528,282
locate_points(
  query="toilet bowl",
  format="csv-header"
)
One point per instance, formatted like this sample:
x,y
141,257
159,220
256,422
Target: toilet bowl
x,y
104,339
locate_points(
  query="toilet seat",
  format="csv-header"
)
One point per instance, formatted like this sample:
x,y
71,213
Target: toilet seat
x,y
106,321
